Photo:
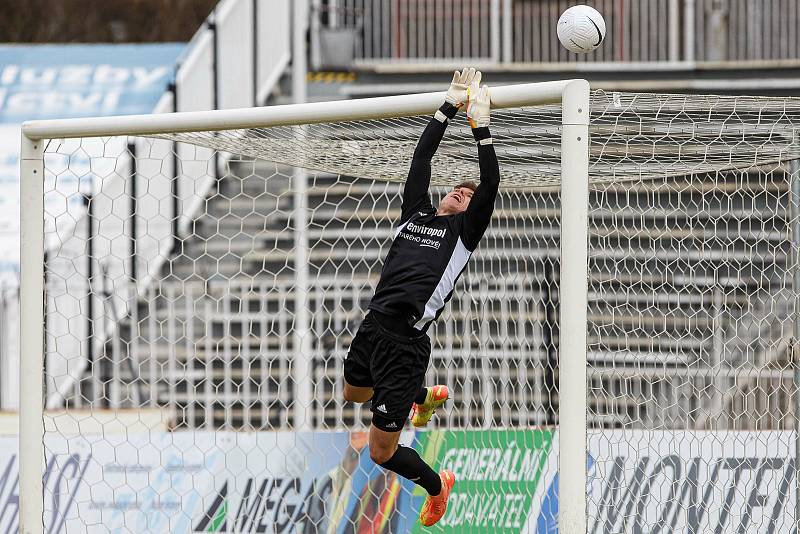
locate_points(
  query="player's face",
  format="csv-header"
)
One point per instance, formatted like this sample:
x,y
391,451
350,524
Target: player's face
x,y
456,200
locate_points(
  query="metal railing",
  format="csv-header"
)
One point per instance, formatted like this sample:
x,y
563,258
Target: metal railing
x,y
523,31
217,355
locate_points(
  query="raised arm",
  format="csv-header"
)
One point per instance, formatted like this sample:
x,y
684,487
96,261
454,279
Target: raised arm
x,y
415,191
479,211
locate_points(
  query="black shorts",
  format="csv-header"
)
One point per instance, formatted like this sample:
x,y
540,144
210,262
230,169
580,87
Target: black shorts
x,y
392,364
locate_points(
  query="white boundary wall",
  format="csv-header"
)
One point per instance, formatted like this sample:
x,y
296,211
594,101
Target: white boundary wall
x,y
574,96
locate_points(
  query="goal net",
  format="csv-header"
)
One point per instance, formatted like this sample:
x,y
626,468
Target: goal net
x,y
202,289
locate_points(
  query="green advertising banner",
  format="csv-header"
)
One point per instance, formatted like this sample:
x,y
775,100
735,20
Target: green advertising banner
x,y
497,473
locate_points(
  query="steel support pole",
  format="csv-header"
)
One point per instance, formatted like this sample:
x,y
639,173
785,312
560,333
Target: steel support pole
x,y
215,88
175,177
495,41
508,31
132,210
794,177
94,367
302,357
688,30
573,305
316,26
31,294
674,32
256,80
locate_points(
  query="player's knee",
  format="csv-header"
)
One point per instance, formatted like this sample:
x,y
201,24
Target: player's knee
x,y
379,454
355,394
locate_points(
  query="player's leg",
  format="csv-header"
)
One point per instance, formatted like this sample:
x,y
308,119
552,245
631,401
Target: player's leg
x,y
384,449
357,375
398,367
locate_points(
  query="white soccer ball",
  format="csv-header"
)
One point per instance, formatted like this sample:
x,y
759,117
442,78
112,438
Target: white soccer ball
x,y
581,29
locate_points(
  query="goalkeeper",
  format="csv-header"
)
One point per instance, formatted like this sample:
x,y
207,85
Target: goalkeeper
x,y
388,356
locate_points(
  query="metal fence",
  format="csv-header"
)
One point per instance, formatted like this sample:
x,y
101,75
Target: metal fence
x,y
218,355
523,31
635,31
746,30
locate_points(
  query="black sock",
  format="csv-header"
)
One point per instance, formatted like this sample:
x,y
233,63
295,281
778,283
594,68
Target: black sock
x,y
406,462
421,396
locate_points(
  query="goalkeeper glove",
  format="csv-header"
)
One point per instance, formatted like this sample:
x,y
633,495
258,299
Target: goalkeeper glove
x,y
478,106
457,94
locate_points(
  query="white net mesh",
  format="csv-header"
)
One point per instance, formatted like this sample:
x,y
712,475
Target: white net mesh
x,y
633,136
172,344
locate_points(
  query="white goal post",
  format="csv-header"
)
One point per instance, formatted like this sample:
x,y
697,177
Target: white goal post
x,y
574,96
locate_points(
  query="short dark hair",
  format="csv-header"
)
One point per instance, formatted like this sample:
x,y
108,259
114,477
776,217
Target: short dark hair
x,y
469,184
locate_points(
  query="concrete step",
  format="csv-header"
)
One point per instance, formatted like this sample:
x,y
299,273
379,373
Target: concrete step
x,y
235,349
644,321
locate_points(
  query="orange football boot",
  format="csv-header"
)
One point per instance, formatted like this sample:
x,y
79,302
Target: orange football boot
x,y
435,506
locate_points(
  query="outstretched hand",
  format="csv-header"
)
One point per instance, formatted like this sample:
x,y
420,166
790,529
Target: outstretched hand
x,y
457,94
478,105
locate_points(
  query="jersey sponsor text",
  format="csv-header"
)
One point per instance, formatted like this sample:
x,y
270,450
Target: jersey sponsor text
x,y
424,230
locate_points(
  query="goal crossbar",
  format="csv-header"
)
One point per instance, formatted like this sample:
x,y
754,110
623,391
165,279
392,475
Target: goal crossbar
x,y
574,98
387,107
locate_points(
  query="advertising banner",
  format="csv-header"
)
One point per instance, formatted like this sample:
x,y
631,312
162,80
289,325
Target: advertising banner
x,y
78,80
498,474
326,483
183,482
692,482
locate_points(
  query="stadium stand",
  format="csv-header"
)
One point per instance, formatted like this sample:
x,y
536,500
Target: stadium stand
x,y
204,353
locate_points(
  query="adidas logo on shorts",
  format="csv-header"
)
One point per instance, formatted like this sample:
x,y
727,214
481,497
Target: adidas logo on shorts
x,y
381,408
392,425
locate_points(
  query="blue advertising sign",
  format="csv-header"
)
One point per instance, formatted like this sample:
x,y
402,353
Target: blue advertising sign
x,y
65,81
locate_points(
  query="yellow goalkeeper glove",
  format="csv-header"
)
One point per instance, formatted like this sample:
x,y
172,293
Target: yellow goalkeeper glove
x,y
457,94
478,105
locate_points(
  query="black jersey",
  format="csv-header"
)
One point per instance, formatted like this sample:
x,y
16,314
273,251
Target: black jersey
x,y
430,252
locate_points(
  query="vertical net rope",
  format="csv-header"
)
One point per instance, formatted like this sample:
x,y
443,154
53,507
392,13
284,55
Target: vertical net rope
x,y
172,325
